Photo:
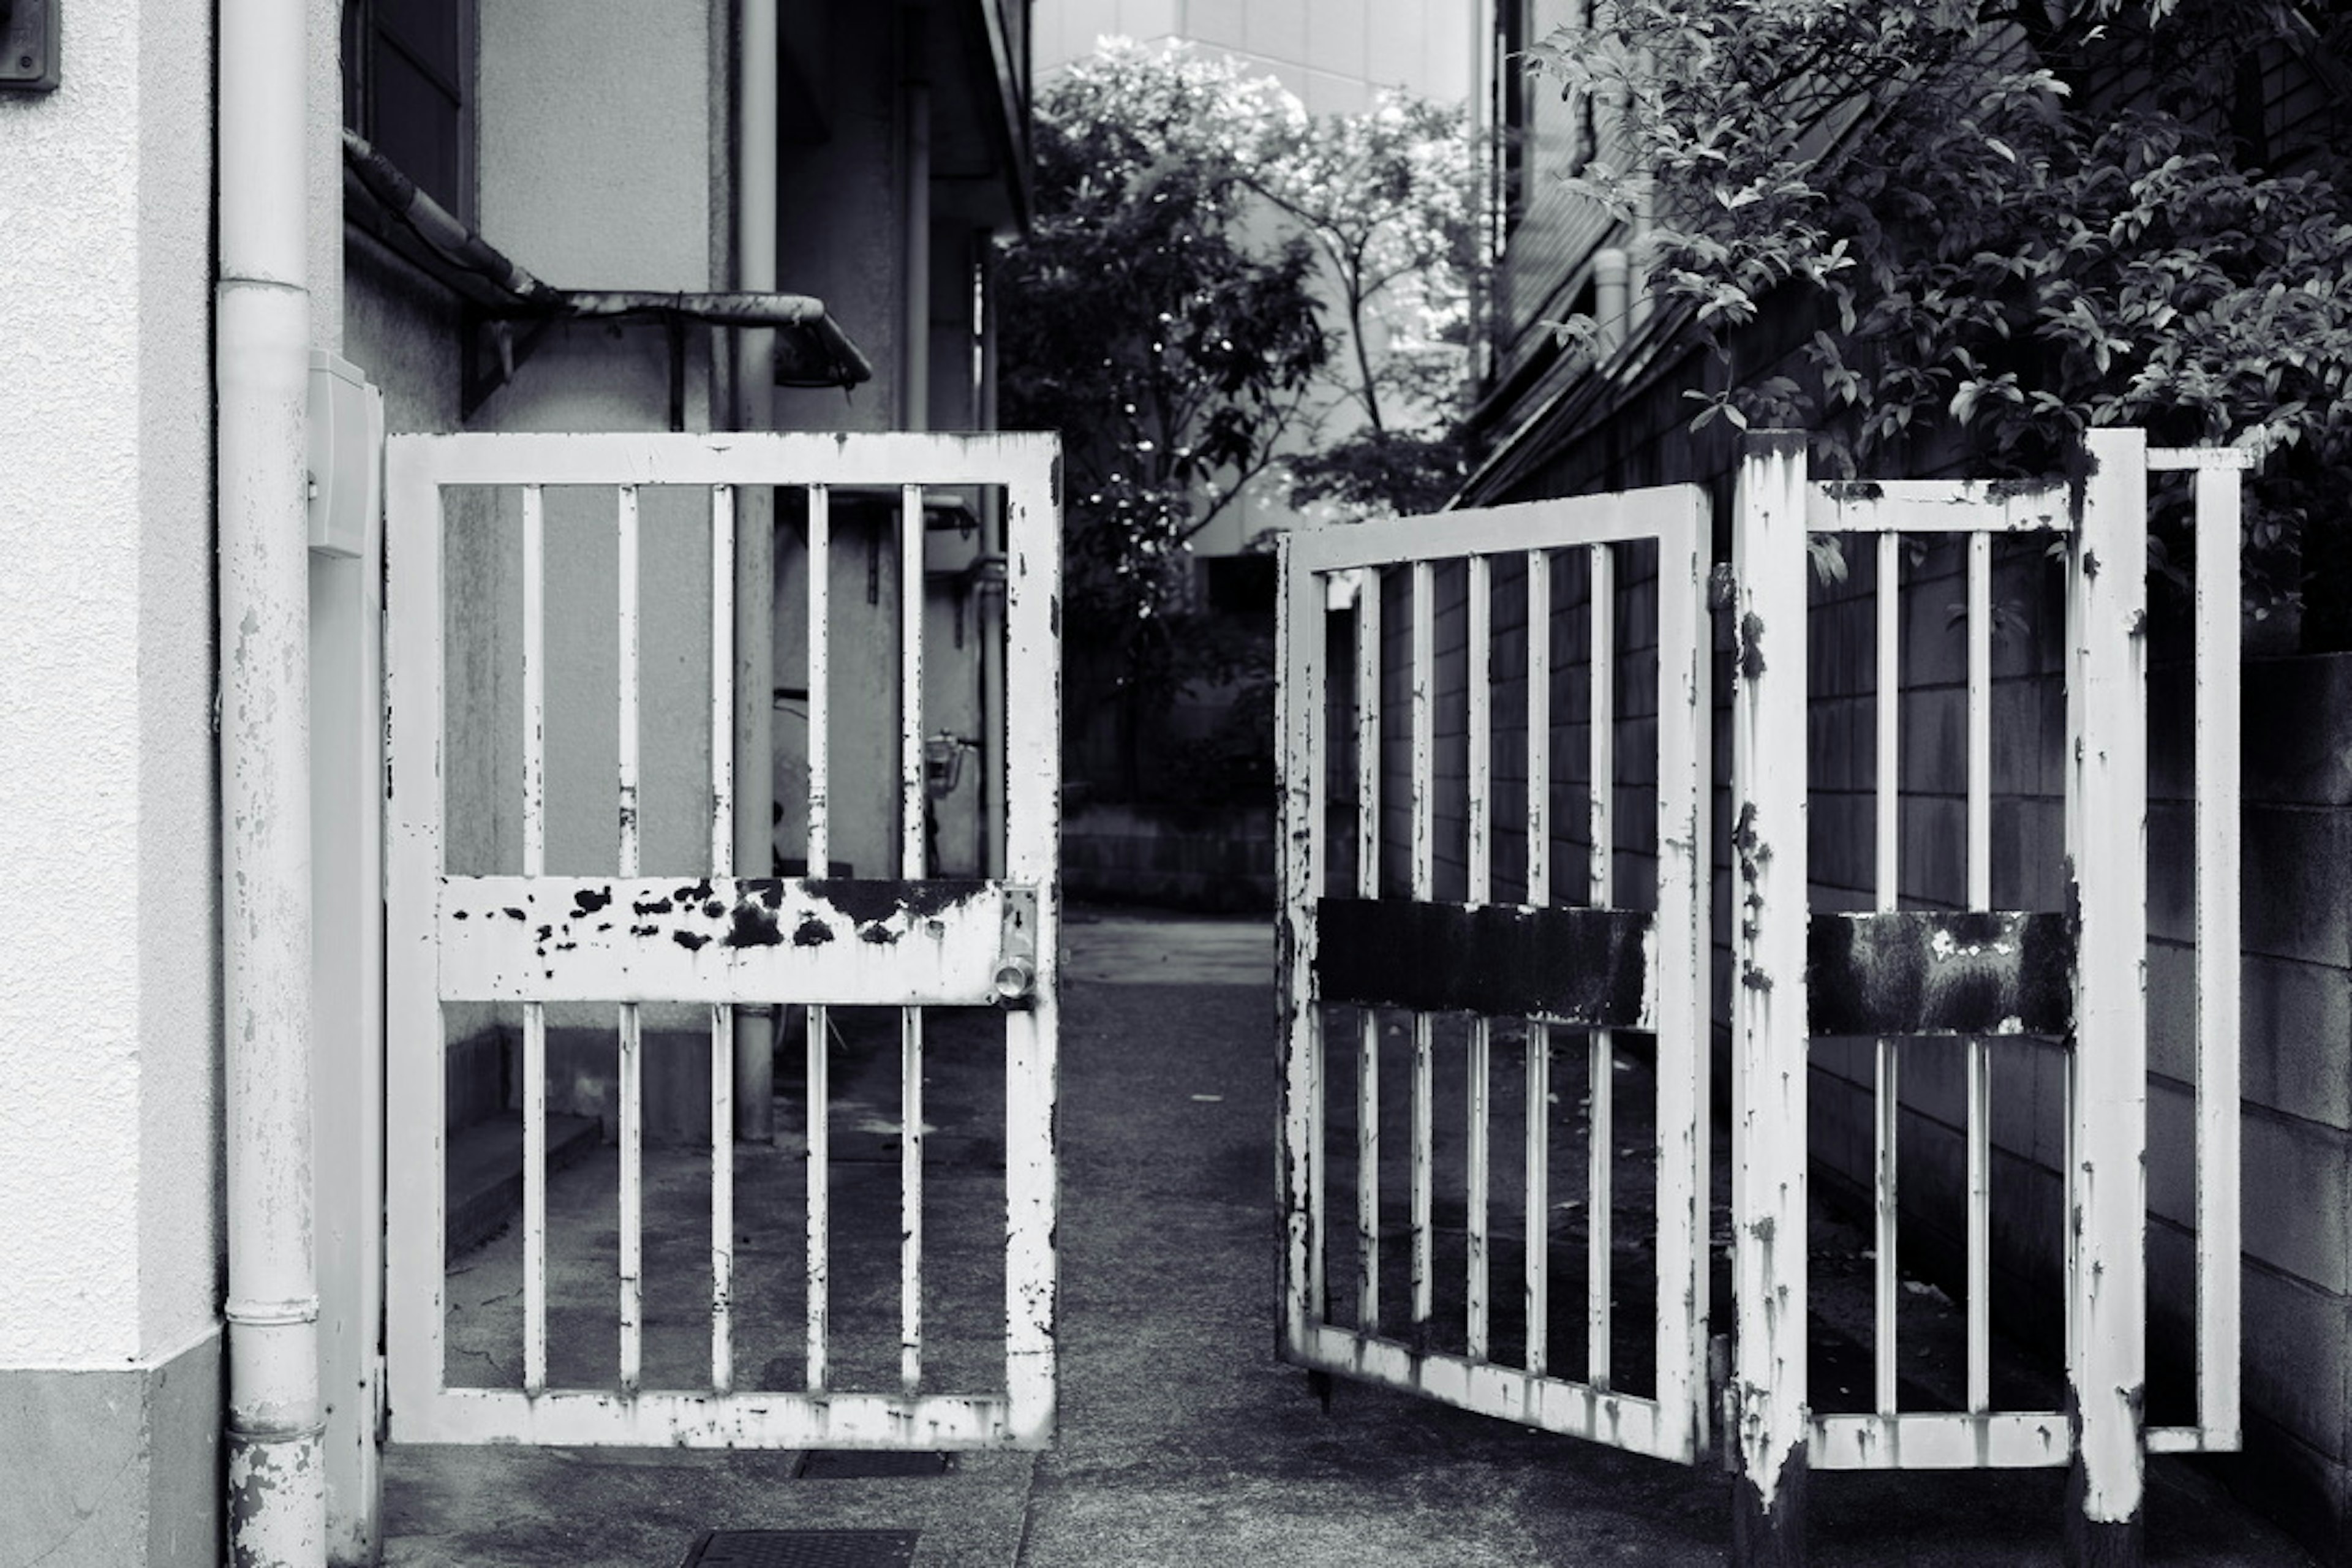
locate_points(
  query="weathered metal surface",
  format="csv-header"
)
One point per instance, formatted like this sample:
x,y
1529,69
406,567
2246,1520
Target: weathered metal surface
x,y
2106,697
1391,961
1582,967
1942,1440
719,939
1938,506
1937,971
1420,684
1769,1000
2219,541
1479,1063
1535,1241
716,940
1600,1050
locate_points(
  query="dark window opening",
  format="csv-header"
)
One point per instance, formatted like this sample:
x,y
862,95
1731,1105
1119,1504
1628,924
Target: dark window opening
x,y
408,88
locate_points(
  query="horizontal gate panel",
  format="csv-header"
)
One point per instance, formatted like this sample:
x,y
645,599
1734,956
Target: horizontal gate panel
x,y
1583,968
1942,1440
722,939
1548,1404
595,1417
1922,971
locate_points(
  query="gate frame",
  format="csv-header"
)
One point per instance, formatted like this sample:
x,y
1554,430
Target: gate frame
x,y
1673,1422
2102,1435
1026,467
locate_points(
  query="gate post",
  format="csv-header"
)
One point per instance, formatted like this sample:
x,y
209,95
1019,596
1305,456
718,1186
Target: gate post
x,y
2106,839
1769,1418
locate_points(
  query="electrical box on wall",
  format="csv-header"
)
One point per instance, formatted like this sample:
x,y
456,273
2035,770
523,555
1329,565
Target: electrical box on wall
x,y
346,453
28,46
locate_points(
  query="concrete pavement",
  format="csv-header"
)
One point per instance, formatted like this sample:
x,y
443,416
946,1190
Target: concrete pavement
x,y
1183,1440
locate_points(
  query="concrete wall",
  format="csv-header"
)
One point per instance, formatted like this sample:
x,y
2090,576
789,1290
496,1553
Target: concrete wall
x,y
110,1044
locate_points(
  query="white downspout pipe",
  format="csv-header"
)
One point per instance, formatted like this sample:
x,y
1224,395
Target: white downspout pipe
x,y
755,540
276,1486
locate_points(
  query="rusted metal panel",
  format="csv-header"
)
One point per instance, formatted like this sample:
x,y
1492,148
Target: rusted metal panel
x,y
1937,971
719,939
1580,967
1937,506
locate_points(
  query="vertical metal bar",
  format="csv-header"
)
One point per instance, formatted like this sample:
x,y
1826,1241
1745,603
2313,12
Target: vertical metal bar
x,y
2107,601
722,1018
1769,1044
632,1239
910,1198
1033,838
1886,1085
818,1091
1978,1063
913,865
2217,789
913,807
1537,1218
1601,1047
1685,715
1886,1102
1368,885
534,1013
1424,690
1301,703
1476,1173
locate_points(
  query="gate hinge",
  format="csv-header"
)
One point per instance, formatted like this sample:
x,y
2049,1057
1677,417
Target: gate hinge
x,y
1016,950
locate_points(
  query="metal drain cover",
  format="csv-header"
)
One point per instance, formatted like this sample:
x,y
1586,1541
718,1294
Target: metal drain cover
x,y
803,1549
867,1464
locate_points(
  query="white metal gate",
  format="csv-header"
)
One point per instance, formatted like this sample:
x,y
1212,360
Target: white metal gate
x,y
1954,978
1359,942
528,940
1359,950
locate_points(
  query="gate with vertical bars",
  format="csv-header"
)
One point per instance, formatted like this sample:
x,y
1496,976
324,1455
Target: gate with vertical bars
x,y
485,931
1471,698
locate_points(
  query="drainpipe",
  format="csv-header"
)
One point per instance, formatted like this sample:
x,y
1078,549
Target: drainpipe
x,y
275,1488
1610,305
755,541
914,253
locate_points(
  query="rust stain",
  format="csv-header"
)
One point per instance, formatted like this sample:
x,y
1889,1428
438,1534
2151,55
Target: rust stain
x,y
690,939
812,933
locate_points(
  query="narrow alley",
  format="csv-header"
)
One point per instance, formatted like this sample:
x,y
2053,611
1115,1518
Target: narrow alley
x,y
1183,1440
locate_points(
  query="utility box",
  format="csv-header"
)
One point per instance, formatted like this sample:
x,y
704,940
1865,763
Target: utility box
x,y
346,455
28,46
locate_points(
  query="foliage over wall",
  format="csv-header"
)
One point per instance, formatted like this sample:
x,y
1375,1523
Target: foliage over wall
x,y
2006,222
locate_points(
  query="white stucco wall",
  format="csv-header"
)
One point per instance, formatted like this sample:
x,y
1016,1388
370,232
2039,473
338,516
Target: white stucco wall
x,y
108,1034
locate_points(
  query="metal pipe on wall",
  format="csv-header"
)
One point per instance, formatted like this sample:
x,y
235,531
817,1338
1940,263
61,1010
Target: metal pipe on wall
x,y
755,537
275,1488
915,248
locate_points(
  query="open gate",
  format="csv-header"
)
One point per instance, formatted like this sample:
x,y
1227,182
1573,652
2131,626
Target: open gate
x,y
1380,945
483,926
1392,958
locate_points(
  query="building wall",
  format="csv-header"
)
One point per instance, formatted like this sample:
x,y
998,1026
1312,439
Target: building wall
x,y
110,1044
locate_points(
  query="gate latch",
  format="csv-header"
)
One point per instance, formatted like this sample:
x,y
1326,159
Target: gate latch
x,y
1016,950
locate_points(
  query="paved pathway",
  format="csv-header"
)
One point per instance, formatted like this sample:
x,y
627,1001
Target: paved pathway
x,y
1183,1440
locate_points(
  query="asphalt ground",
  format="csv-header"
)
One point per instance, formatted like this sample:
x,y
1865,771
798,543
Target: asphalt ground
x,y
1183,1439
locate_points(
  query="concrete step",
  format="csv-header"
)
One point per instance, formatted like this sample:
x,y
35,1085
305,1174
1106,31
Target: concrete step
x,y
485,1172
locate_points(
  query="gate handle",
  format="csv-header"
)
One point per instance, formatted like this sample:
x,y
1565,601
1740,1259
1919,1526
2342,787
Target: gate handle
x,y
1016,950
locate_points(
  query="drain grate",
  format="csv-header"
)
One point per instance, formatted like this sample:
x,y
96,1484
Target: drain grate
x,y
803,1549
868,1463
